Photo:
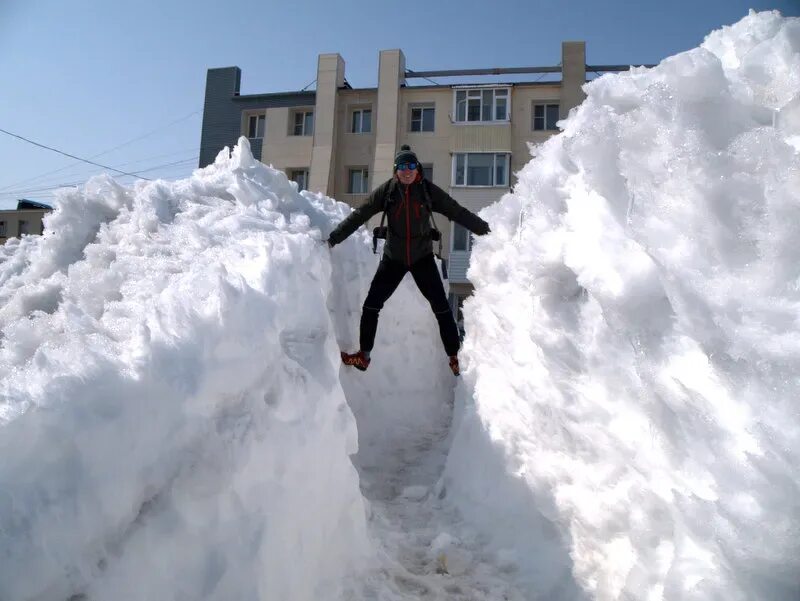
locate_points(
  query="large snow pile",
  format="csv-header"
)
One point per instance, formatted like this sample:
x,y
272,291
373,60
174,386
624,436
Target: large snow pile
x,y
171,420
630,422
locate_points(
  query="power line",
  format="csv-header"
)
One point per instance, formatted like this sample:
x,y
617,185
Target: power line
x,y
131,141
20,192
72,156
82,170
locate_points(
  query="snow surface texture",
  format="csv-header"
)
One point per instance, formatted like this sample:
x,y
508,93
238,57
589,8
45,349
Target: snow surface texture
x,y
629,423
172,424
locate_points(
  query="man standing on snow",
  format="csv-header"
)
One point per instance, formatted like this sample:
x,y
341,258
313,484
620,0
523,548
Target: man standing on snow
x,y
407,201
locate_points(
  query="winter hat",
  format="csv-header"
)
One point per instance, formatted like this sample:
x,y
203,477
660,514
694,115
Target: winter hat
x,y
406,155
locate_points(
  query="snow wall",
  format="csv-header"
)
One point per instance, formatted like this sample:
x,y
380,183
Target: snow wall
x,y
629,422
172,425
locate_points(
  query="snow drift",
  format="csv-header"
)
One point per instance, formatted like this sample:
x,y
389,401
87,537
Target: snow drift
x,y
171,420
629,416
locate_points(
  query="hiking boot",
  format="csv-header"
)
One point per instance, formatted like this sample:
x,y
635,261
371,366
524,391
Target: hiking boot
x,y
454,365
357,360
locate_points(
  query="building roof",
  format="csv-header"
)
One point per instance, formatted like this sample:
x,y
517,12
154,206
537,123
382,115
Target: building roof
x,y
24,203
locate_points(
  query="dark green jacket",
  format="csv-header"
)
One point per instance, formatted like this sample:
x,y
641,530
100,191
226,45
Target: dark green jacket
x,y
408,210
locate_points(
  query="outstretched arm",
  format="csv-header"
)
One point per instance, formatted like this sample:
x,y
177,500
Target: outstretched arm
x,y
371,206
443,203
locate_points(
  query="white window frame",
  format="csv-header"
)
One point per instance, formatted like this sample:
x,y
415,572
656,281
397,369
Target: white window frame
x,y
422,108
293,173
293,125
358,115
364,180
494,184
256,116
476,93
545,105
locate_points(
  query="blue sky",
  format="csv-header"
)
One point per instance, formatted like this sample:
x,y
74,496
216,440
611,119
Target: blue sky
x,y
88,76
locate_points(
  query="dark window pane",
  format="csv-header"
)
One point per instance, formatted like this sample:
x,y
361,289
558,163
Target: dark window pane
x,y
366,122
427,119
358,181
474,109
500,170
479,169
460,169
3,228
501,112
459,237
356,125
262,120
308,125
301,177
552,116
486,112
416,119
298,124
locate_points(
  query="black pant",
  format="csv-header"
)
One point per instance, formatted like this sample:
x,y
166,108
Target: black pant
x,y
426,275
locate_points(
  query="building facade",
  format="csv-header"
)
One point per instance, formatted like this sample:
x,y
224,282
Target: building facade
x,y
25,219
471,138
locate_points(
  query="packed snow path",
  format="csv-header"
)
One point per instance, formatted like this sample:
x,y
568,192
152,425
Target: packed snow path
x,y
426,550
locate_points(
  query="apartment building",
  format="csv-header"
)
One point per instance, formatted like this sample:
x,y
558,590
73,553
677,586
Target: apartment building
x,y
471,138
25,219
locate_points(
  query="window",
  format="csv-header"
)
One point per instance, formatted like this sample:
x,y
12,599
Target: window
x,y
303,123
427,170
462,238
300,177
545,117
3,229
480,169
357,182
362,121
422,118
482,105
255,126
23,227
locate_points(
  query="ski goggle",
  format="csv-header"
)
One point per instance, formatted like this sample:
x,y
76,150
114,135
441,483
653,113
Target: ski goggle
x,y
405,166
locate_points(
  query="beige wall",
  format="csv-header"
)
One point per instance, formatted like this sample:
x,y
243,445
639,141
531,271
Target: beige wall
x,y
12,219
523,99
352,149
281,150
430,147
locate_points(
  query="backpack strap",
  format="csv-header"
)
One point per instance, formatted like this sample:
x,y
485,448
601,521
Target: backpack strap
x,y
426,196
379,232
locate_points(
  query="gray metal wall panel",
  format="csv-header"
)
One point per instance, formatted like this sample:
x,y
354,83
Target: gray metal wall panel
x,y
255,146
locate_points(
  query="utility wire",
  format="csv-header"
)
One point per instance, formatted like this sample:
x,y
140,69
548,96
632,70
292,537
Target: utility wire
x,y
72,156
131,141
79,172
12,193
